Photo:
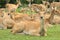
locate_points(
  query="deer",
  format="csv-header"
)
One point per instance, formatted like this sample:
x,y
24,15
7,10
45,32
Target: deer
x,y
12,7
26,27
36,27
54,19
41,7
7,21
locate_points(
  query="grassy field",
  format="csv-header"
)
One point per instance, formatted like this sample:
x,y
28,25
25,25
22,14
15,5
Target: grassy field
x,y
53,34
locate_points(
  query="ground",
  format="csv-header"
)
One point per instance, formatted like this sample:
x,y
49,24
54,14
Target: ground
x,y
53,34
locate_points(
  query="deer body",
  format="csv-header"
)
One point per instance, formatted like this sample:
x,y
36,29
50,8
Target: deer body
x,y
28,27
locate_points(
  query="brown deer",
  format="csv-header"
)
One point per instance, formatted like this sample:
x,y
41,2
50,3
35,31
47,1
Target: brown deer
x,y
29,27
12,7
7,21
54,19
36,27
41,7
17,17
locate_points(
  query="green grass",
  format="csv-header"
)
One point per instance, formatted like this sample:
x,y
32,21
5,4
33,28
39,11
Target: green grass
x,y
53,34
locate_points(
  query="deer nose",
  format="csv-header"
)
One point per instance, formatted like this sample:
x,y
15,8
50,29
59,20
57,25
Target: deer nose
x,y
41,17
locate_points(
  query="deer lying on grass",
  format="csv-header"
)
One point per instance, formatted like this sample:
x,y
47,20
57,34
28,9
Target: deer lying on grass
x,y
7,21
35,27
28,27
12,7
56,19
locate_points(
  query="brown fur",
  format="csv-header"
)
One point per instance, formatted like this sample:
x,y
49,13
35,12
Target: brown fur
x,y
1,23
7,21
56,19
20,17
12,7
28,27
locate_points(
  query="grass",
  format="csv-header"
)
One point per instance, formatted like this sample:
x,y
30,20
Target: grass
x,y
53,34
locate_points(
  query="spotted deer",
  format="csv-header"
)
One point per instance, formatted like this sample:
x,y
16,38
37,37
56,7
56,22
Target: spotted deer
x,y
12,7
7,21
56,19
53,19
